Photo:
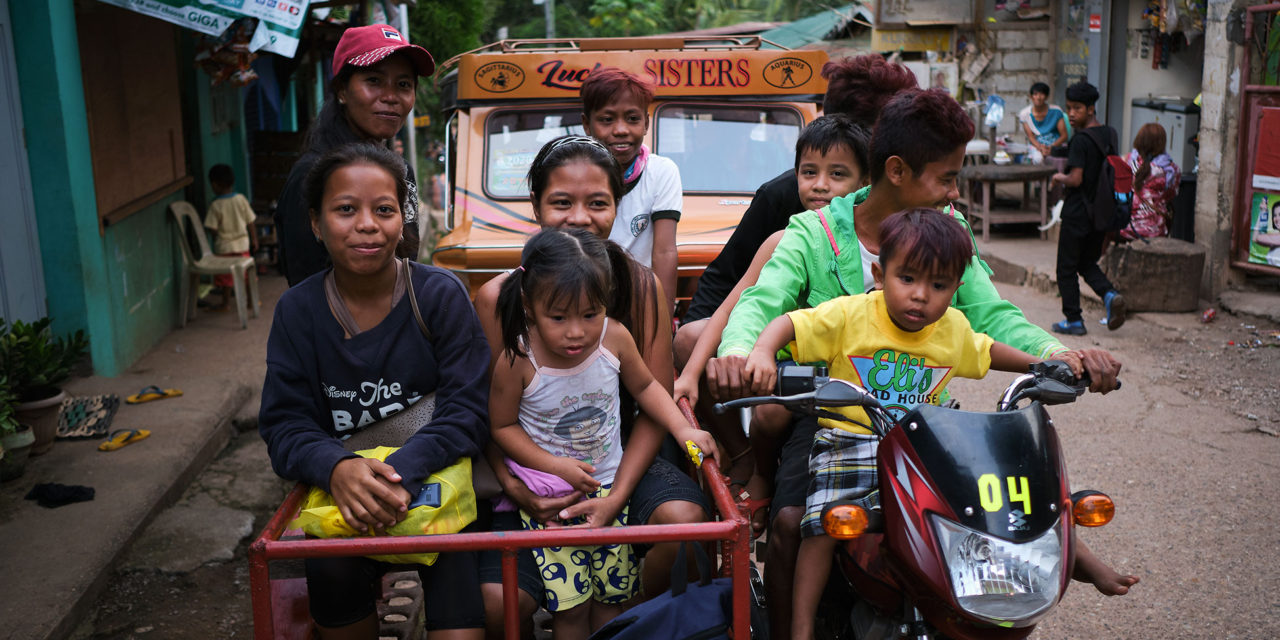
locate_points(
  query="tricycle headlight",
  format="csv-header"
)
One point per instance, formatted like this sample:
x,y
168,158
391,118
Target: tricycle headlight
x,y
999,580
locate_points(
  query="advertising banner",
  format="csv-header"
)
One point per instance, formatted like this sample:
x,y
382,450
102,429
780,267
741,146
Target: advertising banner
x,y
1264,229
279,21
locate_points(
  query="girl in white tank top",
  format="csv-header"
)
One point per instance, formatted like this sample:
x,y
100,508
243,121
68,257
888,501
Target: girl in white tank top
x,y
553,407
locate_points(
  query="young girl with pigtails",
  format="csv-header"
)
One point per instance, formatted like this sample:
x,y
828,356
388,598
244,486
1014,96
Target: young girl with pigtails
x,y
554,404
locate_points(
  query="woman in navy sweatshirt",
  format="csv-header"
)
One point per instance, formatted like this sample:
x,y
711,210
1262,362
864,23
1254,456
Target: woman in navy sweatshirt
x,y
345,351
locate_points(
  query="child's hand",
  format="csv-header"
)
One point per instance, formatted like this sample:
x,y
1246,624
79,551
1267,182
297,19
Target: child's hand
x,y
577,473
1073,360
761,371
700,438
686,387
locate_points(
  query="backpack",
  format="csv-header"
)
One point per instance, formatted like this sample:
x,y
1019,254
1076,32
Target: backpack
x,y
1109,206
686,612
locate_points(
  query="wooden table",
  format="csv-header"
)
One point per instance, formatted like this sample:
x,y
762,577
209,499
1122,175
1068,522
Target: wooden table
x,y
978,195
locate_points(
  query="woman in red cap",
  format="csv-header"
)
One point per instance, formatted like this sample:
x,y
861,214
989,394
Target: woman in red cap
x,y
375,75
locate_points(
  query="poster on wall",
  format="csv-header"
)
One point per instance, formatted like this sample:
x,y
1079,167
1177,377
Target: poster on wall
x,y
1266,158
1264,229
936,75
279,21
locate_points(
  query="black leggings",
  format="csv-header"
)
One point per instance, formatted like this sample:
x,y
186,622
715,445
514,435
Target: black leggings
x,y
1079,248
344,591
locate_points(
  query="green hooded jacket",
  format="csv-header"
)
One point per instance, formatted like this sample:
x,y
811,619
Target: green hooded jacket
x,y
806,270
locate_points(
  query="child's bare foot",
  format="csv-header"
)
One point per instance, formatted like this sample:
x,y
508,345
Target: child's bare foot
x,y
1111,583
1090,568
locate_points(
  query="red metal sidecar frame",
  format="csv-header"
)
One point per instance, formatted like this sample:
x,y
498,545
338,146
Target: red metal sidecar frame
x,y
279,606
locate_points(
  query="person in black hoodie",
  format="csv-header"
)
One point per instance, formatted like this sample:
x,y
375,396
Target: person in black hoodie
x,y
346,350
375,77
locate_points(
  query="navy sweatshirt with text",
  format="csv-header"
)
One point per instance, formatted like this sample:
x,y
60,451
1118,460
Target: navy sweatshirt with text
x,y
321,386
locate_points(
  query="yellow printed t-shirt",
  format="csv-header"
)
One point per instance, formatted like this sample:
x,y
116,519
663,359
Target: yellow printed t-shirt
x,y
861,344
229,217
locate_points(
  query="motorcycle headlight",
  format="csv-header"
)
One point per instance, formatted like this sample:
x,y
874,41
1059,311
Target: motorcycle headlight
x,y
999,580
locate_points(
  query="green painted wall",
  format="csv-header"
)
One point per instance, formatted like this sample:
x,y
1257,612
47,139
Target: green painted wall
x,y
120,285
142,275
57,134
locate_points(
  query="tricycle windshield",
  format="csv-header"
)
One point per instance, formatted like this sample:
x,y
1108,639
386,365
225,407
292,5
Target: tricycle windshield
x,y
513,138
998,471
728,149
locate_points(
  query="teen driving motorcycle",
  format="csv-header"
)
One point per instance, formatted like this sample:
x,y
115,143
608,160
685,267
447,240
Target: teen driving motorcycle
x,y
973,535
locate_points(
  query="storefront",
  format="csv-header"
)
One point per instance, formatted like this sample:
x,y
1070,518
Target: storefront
x,y
115,122
1256,218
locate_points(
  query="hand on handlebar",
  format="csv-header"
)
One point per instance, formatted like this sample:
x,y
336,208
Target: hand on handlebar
x,y
761,372
1073,360
725,378
1103,369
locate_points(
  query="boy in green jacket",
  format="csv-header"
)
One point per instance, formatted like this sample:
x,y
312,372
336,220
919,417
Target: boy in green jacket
x,y
917,150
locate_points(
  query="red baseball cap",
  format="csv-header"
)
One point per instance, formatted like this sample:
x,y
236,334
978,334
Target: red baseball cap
x,y
367,46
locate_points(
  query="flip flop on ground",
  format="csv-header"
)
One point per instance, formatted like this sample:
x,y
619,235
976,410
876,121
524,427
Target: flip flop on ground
x,y
152,393
122,437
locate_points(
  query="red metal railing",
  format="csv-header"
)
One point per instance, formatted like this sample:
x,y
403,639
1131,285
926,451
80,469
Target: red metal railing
x,y
732,531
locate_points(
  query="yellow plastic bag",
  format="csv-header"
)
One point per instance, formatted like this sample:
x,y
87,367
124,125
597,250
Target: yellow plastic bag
x,y
449,505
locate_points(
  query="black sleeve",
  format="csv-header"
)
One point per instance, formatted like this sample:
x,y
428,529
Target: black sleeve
x,y
774,204
300,254
460,425
1078,151
291,416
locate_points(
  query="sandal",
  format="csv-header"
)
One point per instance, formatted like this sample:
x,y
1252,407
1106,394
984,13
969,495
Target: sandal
x,y
152,393
122,437
751,506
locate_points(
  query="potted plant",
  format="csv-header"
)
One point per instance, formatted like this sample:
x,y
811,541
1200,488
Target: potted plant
x,y
35,363
15,438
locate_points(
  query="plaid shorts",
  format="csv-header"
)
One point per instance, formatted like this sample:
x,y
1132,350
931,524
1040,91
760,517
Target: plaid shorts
x,y
842,466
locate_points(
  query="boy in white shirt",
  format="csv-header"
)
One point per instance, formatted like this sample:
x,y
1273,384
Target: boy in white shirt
x,y
615,111
230,218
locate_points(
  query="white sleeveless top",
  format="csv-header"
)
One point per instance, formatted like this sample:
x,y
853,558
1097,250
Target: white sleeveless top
x,y
574,413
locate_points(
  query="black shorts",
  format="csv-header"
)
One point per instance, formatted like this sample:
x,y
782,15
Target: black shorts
x,y
791,484
343,591
527,576
662,483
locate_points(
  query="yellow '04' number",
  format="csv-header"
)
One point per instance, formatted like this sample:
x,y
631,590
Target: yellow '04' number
x,y
991,495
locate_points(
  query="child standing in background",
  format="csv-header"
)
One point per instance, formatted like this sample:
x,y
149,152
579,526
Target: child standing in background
x,y
230,218
615,111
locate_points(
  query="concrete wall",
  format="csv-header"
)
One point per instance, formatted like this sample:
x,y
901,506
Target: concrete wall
x,y
1022,58
1219,137
1182,77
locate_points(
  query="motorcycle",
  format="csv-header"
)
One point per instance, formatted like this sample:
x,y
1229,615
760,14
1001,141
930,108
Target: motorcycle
x,y
974,535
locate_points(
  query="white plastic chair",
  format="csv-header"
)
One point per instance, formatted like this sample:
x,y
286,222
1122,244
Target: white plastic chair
x,y
209,264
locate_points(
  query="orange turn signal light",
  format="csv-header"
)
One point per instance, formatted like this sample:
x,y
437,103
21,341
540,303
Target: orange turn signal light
x,y
1093,510
845,522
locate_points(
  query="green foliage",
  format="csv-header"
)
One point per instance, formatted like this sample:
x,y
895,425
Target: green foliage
x,y
8,419
35,362
626,17
447,27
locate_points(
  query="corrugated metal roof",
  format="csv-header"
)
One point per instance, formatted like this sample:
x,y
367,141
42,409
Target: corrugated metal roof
x,y
820,26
